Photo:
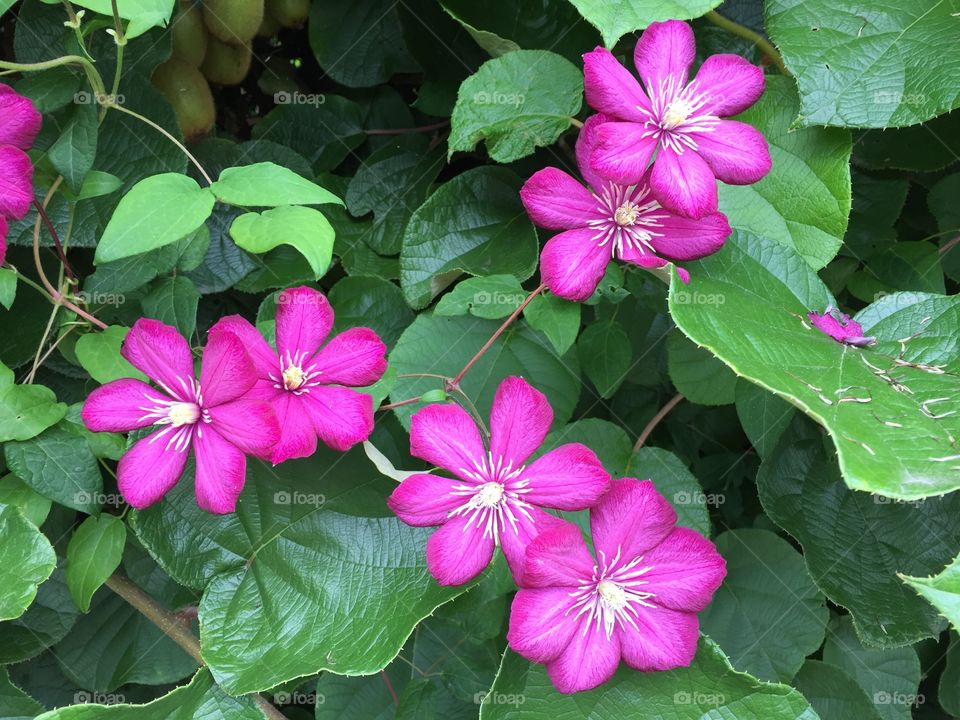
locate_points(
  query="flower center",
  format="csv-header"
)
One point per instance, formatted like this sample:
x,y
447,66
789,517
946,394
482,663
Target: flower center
x,y
612,595
183,413
627,214
675,115
489,495
293,377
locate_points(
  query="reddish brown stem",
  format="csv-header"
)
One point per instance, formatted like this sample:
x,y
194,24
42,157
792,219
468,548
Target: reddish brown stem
x,y
56,240
389,684
400,403
655,420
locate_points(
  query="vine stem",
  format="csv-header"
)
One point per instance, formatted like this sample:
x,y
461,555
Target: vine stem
x,y
61,254
400,403
403,131
576,123
747,34
174,628
655,420
92,75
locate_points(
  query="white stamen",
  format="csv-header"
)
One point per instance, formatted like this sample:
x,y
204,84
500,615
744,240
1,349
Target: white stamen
x,y
610,596
494,498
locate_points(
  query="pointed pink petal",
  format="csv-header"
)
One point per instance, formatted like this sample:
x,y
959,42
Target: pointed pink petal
x,y
447,437
622,153
684,183
556,201
541,623
732,84
611,89
570,477
226,371
557,557
456,554
664,639
298,438
248,424
19,120
572,264
737,153
587,142
684,238
264,358
422,500
304,319
221,471
631,519
356,357
664,49
519,421
515,541
16,182
589,660
643,259
161,353
119,406
341,417
686,571
151,467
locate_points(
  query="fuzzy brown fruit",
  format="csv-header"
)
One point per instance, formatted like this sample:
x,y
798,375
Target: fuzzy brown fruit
x,y
189,34
226,64
233,21
289,13
188,93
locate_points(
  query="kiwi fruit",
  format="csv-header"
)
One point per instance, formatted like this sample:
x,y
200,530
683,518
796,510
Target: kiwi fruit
x,y
226,64
289,13
233,21
189,34
188,92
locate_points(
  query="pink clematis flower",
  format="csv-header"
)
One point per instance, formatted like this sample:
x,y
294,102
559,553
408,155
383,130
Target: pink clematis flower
x,y
638,603
305,382
606,221
211,416
680,121
496,498
19,125
840,327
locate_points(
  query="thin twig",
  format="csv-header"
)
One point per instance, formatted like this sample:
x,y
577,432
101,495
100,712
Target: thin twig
x,y
747,34
661,414
946,246
404,131
56,240
400,403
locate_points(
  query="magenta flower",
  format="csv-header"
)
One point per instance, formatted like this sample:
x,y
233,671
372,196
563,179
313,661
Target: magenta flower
x,y
608,220
19,125
308,385
840,327
680,121
211,416
639,602
496,498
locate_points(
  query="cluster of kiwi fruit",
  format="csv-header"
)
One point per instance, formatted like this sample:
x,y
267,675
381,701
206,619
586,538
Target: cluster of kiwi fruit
x,y
211,44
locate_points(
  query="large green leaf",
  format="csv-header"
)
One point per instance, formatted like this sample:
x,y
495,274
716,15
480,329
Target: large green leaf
x,y
14,703
709,688
472,224
616,19
26,410
45,623
99,354
517,103
26,560
881,411
94,552
173,300
73,153
303,228
142,14
266,184
875,64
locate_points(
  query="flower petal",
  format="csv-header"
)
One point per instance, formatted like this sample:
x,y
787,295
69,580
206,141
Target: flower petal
x,y
665,49
447,437
221,471
737,153
685,238
16,182
519,421
264,357
611,89
684,183
570,477
589,660
226,371
250,425
663,639
686,571
298,438
151,467
423,500
119,406
557,201
341,417
572,264
557,557
304,319
515,541
162,353
456,554
631,519
356,357
19,120
541,624
731,82
587,141
3,238
622,152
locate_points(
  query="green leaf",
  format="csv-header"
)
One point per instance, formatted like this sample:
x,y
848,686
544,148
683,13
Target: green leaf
x,y
556,318
266,184
15,704
697,374
609,441
949,689
371,302
768,615
303,228
709,687
942,590
889,440
605,354
99,354
473,224
97,184
804,200
155,212
926,147
26,560
142,14
881,66
173,300
45,623
763,415
492,297
73,152
8,287
94,552
26,410
833,693
614,20
517,103
676,483
34,506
